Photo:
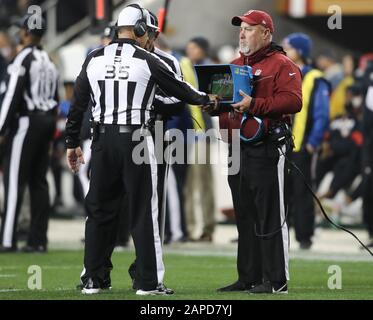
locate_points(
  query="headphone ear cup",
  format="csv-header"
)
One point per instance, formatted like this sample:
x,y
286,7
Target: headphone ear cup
x,y
140,29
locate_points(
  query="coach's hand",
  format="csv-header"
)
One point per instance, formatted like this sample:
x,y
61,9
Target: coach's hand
x,y
75,159
244,104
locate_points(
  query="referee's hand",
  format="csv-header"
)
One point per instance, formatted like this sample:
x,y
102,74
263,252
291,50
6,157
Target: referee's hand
x,y
213,105
75,159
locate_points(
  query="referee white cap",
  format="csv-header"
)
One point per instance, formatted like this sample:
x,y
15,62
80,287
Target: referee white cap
x,y
130,15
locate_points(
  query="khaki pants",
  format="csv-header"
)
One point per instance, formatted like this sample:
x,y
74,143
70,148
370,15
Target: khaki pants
x,y
199,192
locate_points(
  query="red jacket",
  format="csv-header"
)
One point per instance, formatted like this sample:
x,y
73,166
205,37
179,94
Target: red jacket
x,y
277,89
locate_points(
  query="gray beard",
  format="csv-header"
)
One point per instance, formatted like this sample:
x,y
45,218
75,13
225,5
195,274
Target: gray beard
x,y
244,49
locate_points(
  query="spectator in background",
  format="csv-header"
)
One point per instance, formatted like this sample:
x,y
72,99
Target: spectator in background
x,y
309,126
199,181
197,50
338,97
366,69
333,71
341,151
8,9
7,52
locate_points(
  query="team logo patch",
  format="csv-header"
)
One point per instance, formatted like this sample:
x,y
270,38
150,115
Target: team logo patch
x,y
258,72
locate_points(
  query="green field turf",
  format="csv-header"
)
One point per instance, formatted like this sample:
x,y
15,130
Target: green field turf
x,y
192,277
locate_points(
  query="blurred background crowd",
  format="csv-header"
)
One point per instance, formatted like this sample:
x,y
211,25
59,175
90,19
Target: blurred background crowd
x,y
199,32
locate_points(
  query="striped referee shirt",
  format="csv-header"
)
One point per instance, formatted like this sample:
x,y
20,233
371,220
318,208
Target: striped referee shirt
x,y
163,104
120,80
30,84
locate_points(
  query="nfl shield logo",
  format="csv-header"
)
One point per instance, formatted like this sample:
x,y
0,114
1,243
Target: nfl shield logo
x,y
258,72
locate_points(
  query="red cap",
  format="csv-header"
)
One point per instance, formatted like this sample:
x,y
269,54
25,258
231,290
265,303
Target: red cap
x,y
255,17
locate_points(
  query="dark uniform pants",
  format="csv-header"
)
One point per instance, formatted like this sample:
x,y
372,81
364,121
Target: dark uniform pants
x,y
259,199
113,173
26,162
368,171
302,207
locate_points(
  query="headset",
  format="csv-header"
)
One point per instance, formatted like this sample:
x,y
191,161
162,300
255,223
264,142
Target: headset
x,y
140,26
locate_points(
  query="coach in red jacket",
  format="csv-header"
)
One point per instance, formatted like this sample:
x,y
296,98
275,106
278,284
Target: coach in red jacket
x,y
258,191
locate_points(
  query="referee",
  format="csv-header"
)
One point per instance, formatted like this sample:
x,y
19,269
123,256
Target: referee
x,y
121,79
165,107
27,120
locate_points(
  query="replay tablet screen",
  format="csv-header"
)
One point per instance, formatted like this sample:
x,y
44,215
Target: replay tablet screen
x,y
221,84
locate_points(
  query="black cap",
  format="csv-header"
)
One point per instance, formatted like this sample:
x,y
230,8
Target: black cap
x,y
201,42
33,23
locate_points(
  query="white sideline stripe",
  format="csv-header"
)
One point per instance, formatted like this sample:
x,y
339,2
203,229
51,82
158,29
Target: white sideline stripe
x,y
46,290
15,157
154,208
174,206
82,274
83,172
11,290
284,229
16,68
8,275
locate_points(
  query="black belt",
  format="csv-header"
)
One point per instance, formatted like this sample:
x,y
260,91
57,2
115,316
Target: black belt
x,y
121,128
41,112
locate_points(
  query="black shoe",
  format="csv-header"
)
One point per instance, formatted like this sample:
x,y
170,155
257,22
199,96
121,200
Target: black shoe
x,y
305,245
105,284
34,249
238,286
8,249
92,286
270,288
161,290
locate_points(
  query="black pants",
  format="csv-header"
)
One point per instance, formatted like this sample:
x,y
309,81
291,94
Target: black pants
x,y
113,173
26,163
367,185
259,197
161,179
123,232
345,170
302,209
